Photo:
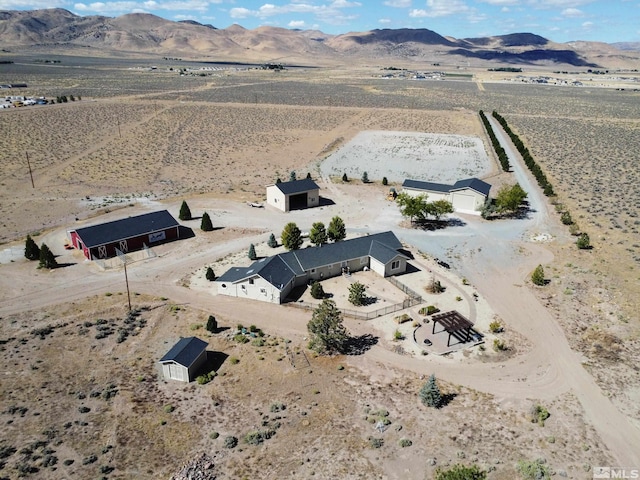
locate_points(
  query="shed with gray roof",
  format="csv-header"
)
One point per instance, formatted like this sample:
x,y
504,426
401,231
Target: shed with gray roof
x,y
293,195
184,359
466,196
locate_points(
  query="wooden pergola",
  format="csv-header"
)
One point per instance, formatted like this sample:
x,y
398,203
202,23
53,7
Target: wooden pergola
x,y
454,324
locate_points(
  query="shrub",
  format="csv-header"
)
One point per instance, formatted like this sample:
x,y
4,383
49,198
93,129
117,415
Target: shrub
x,y
495,327
206,378
365,177
205,224
583,242
533,470
185,212
539,414
317,291
405,442
214,435
345,178
566,219
537,277
169,408
385,182
241,338
252,252
499,345
400,319
397,335
230,442
277,407
376,442
460,472
272,242
234,360
212,324
356,294
84,409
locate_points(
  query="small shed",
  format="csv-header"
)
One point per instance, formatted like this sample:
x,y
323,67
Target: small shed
x,y
127,234
184,359
294,195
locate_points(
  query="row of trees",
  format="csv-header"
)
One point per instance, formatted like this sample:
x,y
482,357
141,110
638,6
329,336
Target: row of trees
x,y
535,169
500,152
417,208
292,177
43,254
318,235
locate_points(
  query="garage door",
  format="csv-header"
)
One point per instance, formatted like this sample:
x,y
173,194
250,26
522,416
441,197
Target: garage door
x,y
464,202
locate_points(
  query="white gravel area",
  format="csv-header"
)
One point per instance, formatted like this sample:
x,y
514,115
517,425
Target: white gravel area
x,y
420,156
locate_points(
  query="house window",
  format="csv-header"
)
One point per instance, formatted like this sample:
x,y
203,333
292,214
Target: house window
x,y
243,288
251,281
313,270
263,291
395,264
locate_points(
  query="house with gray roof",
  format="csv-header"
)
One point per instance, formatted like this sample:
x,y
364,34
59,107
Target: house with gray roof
x,y
293,195
184,359
466,196
271,279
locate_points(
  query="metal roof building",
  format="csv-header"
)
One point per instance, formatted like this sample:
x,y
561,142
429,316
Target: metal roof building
x,y
184,359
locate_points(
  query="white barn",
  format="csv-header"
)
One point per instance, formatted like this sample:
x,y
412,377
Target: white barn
x,y
184,359
466,196
293,195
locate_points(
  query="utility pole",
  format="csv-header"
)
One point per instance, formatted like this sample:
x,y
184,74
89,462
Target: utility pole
x,y
30,172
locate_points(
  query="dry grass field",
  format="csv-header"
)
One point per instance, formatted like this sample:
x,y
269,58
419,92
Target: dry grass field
x,y
137,136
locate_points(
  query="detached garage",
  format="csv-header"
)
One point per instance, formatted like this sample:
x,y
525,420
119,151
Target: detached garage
x,y
466,196
184,359
127,235
294,195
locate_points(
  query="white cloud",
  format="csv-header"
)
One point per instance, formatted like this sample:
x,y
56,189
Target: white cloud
x,y
398,3
550,4
241,12
296,24
330,13
31,5
587,25
144,6
415,13
384,20
501,2
572,13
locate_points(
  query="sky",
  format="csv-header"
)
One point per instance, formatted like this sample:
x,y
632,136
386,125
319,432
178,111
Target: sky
x,y
557,20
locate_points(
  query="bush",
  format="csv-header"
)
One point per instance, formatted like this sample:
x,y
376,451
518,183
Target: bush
x,y
356,294
185,212
345,178
397,335
460,472
206,378
499,345
376,442
212,324
400,319
272,242
537,277
252,252
214,435
317,291
169,408
241,338
566,219
385,182
583,242
277,407
405,442
230,442
533,470
205,223
539,414
234,360
495,327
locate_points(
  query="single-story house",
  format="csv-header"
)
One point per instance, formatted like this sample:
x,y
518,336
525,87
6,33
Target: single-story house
x,y
294,195
184,359
466,196
272,279
127,234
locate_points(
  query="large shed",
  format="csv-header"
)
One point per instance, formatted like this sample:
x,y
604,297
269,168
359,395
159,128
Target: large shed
x,y
126,235
184,359
294,195
466,196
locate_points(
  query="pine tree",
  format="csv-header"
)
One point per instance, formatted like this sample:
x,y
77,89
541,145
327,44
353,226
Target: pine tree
x,y
291,236
345,178
356,294
205,224
365,177
318,234
308,175
212,324
272,242
278,180
47,258
336,230
317,291
326,331
430,393
31,249
185,212
385,181
292,176
252,252
209,275
537,277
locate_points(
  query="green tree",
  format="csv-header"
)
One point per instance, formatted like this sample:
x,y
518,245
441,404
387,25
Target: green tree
x,y
252,252
356,294
47,258
31,249
212,324
537,277
430,393
272,242
318,234
209,275
278,180
365,177
509,198
460,472
326,331
438,208
317,291
385,182
345,178
413,207
292,176
566,219
308,175
337,231
205,224
185,212
291,236
583,241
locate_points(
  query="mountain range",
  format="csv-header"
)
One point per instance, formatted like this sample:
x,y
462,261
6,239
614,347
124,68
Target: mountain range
x,y
138,34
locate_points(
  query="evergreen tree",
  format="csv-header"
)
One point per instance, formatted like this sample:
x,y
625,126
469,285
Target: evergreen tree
x,y
537,277
318,234
430,393
583,241
337,231
212,324
291,236
185,212
272,242
385,182
205,224
47,258
365,177
356,294
326,331
278,180
308,175
345,178
317,291
31,249
292,176
252,252
209,275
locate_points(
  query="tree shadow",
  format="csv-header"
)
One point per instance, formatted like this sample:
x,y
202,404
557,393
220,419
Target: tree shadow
x,y
360,344
446,399
433,225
